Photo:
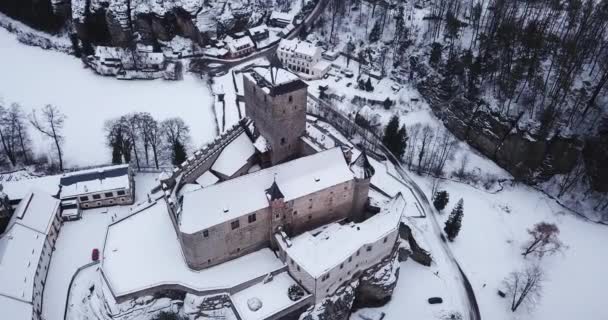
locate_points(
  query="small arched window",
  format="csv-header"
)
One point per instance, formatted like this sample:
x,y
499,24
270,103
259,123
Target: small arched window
x,y
290,99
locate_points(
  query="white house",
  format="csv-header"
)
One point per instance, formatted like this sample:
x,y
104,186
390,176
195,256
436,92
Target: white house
x,y
321,261
105,186
239,47
303,58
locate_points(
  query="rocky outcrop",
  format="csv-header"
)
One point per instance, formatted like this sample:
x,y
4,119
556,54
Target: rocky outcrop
x,y
595,155
524,154
377,284
416,252
335,307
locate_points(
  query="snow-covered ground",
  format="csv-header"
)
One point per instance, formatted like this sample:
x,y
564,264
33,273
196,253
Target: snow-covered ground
x,y
489,248
75,243
34,77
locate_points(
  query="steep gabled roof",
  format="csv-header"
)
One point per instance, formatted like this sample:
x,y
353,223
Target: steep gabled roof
x,y
361,167
274,192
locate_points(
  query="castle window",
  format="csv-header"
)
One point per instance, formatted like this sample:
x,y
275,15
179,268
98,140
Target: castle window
x,y
264,98
108,194
369,248
290,99
295,212
205,233
251,218
298,267
120,192
310,217
234,224
357,253
385,239
96,196
350,259
84,198
341,265
283,141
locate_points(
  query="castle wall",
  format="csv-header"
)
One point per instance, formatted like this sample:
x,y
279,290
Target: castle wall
x,y
222,243
361,195
360,260
281,119
322,207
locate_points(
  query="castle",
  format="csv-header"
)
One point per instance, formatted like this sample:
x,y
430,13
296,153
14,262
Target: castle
x,y
260,201
294,191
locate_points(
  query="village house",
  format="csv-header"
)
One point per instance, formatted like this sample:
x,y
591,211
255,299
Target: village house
x,y
25,254
280,19
99,187
258,33
240,46
303,58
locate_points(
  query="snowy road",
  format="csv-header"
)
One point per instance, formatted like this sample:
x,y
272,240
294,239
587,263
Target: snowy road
x,y
424,203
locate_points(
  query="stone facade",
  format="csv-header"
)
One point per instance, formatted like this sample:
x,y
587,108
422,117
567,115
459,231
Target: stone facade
x,y
279,115
222,242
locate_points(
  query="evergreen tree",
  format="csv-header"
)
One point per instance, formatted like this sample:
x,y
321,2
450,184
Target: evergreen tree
x,y
116,153
395,138
375,34
178,154
454,222
368,85
441,200
435,53
387,103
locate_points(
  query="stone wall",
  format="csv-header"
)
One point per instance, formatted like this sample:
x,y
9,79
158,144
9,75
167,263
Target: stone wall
x,y
281,119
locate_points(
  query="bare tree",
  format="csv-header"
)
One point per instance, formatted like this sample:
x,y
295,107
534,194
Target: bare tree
x,y
524,287
7,136
544,240
18,122
152,135
51,125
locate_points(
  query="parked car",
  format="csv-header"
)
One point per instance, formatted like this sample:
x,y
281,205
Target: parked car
x,y
95,255
435,300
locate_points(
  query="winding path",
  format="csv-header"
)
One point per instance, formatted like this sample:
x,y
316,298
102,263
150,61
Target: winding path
x,y
430,211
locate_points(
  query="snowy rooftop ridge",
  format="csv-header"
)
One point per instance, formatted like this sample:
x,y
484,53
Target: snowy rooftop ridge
x,y
95,180
215,204
36,211
20,250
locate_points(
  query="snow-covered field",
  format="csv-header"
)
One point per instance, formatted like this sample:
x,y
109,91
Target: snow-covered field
x,y
489,248
34,77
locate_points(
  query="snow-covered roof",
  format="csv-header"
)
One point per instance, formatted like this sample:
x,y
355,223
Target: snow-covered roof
x,y
261,144
146,241
273,296
281,16
259,29
20,250
301,47
206,179
235,45
322,65
216,204
277,80
336,242
234,156
15,309
20,188
95,180
36,211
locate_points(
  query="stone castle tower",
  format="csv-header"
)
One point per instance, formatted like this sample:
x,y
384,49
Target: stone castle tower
x,y
276,100
363,172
